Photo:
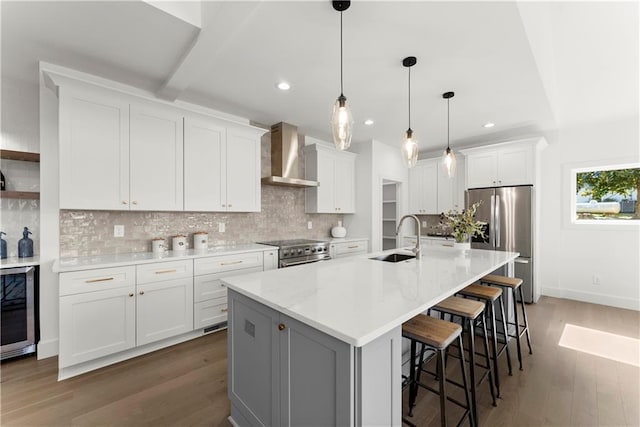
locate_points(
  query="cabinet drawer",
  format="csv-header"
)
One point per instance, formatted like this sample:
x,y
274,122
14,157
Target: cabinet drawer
x,y
208,313
160,271
351,248
99,279
222,263
209,286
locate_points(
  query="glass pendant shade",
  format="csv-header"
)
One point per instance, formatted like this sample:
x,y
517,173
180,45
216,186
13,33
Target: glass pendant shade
x,y
410,149
449,162
342,123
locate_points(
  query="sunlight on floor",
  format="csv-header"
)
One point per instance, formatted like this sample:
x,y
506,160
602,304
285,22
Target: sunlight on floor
x,y
603,344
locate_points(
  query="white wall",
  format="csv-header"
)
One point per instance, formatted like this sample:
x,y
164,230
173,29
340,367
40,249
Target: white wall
x,y
571,255
375,163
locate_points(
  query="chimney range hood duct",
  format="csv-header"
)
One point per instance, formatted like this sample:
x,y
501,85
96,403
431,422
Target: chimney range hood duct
x,y
284,158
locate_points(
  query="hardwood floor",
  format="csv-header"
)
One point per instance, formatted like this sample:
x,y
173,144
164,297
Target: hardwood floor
x,y
186,384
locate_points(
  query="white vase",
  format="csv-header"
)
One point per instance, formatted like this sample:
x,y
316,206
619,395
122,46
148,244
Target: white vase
x,y
339,231
462,245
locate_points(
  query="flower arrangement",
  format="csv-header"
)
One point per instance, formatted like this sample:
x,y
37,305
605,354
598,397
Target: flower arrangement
x,y
463,225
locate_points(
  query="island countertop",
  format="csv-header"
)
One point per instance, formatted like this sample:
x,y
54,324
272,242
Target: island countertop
x,y
358,299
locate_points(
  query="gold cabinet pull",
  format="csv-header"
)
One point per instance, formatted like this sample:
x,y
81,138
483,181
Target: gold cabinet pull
x,y
124,202
353,247
165,271
141,292
105,279
231,263
224,310
281,327
131,294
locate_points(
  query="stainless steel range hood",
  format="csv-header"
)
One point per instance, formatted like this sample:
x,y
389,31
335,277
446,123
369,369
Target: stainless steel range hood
x,y
285,169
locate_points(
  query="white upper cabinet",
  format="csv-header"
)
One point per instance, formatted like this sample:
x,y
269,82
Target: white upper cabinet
x,y
505,165
243,169
335,171
431,191
222,167
156,165
204,165
94,150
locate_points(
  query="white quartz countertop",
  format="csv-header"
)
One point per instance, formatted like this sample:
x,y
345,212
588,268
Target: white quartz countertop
x,y
19,262
357,299
103,261
347,239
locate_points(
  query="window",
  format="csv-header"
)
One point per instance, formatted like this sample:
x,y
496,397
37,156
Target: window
x,y
607,194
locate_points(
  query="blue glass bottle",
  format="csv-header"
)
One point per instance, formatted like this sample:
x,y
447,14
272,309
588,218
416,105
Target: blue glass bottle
x,y
25,245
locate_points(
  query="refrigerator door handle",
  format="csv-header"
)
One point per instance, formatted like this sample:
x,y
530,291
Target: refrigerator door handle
x,y
492,224
521,261
497,221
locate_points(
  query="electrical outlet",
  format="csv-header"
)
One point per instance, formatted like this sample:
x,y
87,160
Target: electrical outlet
x,y
309,225
221,227
118,231
424,224
595,280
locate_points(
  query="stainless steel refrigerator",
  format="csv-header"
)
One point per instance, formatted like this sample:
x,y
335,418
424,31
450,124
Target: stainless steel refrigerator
x,y
508,214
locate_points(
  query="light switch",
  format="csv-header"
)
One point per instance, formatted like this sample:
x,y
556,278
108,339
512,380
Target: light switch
x,y
221,227
424,224
309,225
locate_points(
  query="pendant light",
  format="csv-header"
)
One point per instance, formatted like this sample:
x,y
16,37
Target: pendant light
x,y
341,119
448,158
409,145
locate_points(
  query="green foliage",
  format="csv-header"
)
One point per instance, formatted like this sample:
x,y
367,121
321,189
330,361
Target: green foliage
x,y
598,184
463,224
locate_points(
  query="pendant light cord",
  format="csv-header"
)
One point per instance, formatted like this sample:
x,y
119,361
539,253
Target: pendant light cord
x,y
341,88
409,97
448,113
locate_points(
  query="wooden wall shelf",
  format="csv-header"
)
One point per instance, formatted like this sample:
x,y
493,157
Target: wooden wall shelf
x,y
33,195
20,155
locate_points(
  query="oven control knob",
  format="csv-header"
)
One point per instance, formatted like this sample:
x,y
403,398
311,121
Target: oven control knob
x,y
299,251
313,249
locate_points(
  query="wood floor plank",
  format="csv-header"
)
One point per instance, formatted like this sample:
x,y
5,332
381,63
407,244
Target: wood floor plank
x,y
186,385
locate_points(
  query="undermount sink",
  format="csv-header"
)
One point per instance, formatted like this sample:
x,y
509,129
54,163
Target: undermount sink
x,y
394,257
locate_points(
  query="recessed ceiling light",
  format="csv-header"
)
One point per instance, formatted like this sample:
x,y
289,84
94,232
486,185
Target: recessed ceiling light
x,y
488,125
283,86
368,122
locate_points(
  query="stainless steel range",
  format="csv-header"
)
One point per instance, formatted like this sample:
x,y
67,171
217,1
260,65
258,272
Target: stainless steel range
x,y
300,251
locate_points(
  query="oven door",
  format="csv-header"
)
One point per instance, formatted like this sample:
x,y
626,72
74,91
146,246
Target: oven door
x,y
291,262
18,322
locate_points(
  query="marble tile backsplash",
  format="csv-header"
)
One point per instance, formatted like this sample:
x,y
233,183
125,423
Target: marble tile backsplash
x,y
89,233
15,215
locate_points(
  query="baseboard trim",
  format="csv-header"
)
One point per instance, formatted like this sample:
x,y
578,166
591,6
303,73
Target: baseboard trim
x,y
46,349
602,299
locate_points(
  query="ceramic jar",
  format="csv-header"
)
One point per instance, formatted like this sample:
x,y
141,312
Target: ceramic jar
x,y
179,243
200,240
158,246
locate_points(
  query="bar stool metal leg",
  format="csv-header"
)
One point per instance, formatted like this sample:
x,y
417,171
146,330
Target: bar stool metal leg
x,y
506,332
463,368
526,321
485,339
443,389
517,324
494,345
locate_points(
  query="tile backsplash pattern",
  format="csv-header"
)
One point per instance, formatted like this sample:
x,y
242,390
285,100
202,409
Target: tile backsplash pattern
x,y
17,214
90,233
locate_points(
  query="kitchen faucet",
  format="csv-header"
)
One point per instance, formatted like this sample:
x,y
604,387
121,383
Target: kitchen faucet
x,y
415,250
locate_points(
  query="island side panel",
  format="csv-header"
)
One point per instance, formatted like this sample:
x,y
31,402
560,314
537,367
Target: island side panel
x,y
379,381
254,360
316,388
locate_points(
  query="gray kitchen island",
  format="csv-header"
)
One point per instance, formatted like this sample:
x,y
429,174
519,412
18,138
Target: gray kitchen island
x,y
321,345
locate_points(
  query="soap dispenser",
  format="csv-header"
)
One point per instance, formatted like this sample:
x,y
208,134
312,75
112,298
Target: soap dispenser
x,y
3,246
25,245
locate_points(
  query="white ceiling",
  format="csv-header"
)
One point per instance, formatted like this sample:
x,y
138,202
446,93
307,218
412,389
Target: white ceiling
x,y
528,67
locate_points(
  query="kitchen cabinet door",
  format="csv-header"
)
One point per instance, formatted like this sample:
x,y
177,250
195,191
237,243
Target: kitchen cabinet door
x,y
344,185
515,166
423,188
482,169
163,309
156,162
94,150
204,166
96,324
243,170
447,191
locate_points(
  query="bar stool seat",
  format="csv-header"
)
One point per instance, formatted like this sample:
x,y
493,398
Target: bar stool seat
x,y
513,283
490,295
436,335
470,311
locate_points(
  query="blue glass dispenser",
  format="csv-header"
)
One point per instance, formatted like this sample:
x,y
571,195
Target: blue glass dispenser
x,y
25,245
3,246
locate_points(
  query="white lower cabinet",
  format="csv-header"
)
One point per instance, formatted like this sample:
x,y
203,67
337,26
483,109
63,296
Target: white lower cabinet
x,y
349,248
210,294
163,309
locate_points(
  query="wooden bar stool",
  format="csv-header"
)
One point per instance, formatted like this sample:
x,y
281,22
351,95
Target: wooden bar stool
x,y
514,284
471,311
490,295
435,335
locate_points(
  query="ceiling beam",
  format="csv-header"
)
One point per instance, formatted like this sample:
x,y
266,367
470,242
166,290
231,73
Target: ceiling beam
x,y
221,21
